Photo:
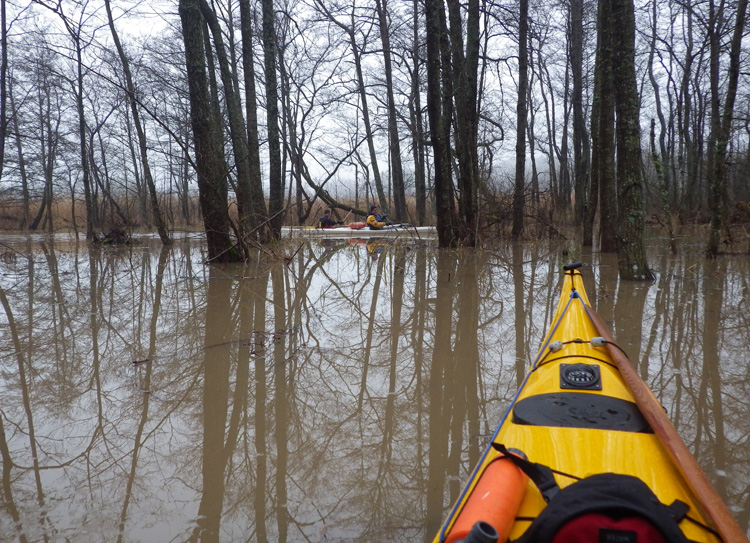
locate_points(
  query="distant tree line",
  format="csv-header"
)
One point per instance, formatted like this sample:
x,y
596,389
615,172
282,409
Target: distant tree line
x,y
478,117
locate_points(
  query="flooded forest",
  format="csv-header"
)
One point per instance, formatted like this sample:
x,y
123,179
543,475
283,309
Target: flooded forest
x,y
176,367
329,391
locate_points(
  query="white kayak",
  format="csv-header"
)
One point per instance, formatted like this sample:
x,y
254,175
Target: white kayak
x,y
347,231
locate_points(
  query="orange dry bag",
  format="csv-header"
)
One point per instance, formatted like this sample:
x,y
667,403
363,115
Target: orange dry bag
x,y
496,499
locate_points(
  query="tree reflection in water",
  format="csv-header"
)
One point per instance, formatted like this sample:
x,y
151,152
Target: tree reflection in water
x,y
333,392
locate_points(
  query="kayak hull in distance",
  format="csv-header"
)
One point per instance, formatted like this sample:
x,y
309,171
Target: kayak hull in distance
x,y
582,411
397,230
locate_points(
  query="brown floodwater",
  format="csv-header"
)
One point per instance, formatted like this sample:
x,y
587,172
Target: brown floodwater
x,y
330,391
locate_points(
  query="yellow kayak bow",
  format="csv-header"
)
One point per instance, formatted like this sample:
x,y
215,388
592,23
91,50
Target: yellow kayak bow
x,y
583,411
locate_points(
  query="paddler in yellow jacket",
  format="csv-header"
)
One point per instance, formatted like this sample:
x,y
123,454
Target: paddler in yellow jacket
x,y
375,220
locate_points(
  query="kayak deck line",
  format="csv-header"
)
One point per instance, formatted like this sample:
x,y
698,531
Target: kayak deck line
x,y
582,410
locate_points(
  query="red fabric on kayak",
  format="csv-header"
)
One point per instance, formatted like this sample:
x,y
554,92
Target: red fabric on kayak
x,y
601,528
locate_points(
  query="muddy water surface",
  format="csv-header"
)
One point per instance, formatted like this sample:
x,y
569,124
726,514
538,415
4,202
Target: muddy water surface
x,y
330,392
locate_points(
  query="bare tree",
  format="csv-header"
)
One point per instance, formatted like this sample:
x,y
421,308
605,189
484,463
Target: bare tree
x,y
209,157
417,122
631,252
580,136
161,226
397,174
248,187
251,106
521,119
276,180
464,69
603,181
721,121
75,30
357,53
439,112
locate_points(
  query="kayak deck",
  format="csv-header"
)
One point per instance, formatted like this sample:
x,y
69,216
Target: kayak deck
x,y
575,414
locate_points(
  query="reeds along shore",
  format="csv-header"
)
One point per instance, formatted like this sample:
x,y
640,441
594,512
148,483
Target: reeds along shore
x,y
67,215
180,213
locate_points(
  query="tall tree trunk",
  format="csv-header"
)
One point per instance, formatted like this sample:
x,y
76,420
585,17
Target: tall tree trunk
x,y
294,144
659,158
161,227
397,174
417,123
275,178
722,126
580,137
531,121
210,164
566,186
464,74
141,192
357,57
631,252
92,213
604,150
435,31
251,110
448,111
48,143
26,219
521,114
548,98
589,219
3,84
249,190
688,159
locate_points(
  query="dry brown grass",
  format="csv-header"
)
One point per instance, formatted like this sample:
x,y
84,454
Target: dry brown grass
x,y
68,215
494,221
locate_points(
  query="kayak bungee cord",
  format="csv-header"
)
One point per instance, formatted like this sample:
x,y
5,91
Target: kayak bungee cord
x,y
543,351
596,341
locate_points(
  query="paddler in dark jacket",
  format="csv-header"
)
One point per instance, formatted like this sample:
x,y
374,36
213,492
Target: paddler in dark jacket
x,y
375,220
326,221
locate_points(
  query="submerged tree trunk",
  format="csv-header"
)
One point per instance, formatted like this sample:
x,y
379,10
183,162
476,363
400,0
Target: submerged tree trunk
x,y
161,226
417,123
251,108
603,171
464,73
631,252
721,124
249,189
580,137
435,30
523,78
397,174
210,164
275,178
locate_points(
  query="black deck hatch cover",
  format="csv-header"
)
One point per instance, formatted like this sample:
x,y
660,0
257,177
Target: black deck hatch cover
x,y
580,410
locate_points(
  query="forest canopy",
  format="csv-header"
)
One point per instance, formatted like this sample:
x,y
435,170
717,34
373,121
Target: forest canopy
x,y
477,116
